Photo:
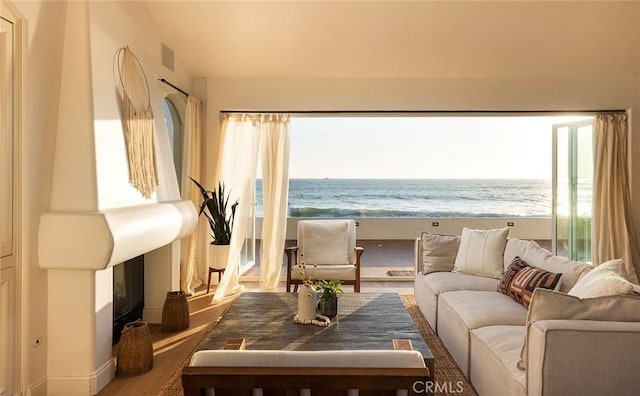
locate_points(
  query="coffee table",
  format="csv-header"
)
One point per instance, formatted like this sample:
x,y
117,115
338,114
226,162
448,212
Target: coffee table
x,y
365,321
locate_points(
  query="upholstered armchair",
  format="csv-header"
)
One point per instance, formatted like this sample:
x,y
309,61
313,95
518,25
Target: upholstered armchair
x,y
328,249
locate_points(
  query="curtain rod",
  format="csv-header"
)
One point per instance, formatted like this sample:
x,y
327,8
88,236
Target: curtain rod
x,y
173,86
514,112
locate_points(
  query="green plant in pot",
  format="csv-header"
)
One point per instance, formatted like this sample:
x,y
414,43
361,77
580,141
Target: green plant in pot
x,y
329,290
220,215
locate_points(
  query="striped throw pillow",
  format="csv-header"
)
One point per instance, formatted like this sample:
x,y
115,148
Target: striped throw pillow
x,y
520,280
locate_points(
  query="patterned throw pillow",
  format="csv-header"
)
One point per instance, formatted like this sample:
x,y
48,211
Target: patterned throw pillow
x,y
520,280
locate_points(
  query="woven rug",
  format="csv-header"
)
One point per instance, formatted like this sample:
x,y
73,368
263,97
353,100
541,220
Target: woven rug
x,y
450,379
400,273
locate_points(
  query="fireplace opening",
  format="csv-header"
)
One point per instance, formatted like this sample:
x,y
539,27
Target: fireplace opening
x,y
128,294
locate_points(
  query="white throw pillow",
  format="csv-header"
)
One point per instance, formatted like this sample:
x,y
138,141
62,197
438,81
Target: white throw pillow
x,y
481,252
438,252
606,279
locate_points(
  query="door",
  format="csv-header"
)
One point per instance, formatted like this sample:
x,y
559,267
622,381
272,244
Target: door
x,y
7,204
572,189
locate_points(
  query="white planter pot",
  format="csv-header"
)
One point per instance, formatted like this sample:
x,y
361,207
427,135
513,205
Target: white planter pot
x,y
218,256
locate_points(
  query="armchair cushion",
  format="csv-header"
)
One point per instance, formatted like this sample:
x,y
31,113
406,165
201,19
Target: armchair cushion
x,y
341,272
326,242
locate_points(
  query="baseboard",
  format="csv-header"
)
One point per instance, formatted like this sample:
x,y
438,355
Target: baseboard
x,y
38,388
82,385
152,315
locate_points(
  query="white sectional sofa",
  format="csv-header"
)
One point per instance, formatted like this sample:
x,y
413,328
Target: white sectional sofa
x,y
574,346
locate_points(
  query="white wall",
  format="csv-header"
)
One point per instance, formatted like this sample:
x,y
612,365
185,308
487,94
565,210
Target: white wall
x,y
410,228
44,46
46,21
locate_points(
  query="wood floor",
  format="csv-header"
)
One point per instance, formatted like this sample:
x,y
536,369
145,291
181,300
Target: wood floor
x,y
169,349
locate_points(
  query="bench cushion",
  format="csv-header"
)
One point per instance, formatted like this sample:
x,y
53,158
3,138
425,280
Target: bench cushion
x,y
338,358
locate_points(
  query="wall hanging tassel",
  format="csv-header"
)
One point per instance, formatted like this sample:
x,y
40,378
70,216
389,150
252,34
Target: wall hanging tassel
x,y
137,121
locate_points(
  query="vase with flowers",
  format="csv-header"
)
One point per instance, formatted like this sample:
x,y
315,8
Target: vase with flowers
x,y
307,300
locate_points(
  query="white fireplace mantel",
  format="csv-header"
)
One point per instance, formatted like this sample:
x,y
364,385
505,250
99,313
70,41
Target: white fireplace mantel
x,y
99,240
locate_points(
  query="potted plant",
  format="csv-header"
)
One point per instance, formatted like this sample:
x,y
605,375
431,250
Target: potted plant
x,y
215,207
329,290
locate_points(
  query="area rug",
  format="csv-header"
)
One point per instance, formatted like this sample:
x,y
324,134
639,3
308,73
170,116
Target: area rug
x,y
449,378
400,273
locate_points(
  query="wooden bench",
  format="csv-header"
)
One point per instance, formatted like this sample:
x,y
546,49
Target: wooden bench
x,y
261,372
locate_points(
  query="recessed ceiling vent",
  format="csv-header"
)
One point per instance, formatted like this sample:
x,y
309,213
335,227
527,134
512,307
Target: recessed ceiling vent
x,y
167,57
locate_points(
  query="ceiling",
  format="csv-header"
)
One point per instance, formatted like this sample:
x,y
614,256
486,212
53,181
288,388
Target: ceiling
x,y
397,39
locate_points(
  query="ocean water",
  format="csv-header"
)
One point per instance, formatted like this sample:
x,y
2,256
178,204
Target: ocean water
x,y
416,198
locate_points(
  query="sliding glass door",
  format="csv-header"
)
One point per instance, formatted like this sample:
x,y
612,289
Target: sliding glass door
x,y
572,189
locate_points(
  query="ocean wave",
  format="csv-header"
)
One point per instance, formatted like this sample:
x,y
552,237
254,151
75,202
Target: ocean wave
x,y
345,212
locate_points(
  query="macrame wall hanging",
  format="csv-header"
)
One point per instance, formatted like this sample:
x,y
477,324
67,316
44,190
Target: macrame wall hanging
x,y
137,121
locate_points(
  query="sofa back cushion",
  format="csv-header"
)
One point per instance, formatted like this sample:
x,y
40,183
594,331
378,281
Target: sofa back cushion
x,y
438,252
540,257
516,248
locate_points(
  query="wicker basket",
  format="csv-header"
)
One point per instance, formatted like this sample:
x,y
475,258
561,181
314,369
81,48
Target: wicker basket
x,y
175,313
135,350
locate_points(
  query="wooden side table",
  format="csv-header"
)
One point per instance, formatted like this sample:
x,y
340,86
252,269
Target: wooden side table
x,y
220,271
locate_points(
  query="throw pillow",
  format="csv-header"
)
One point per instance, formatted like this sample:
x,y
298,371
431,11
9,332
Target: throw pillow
x,y
520,280
604,280
438,252
551,304
481,252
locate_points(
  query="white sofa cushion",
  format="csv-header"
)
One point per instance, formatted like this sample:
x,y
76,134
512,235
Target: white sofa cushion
x,y
604,280
429,287
571,270
438,252
550,304
462,311
495,351
481,252
517,248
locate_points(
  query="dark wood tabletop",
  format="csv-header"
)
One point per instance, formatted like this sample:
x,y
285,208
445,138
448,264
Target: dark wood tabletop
x,y
365,321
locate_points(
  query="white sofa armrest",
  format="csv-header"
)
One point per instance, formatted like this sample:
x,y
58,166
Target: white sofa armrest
x,y
417,256
580,357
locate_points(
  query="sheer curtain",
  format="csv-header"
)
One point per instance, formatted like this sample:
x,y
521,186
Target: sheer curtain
x,y
192,145
240,138
613,232
275,187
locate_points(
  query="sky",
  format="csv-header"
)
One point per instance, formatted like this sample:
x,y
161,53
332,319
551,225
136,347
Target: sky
x,y
506,147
